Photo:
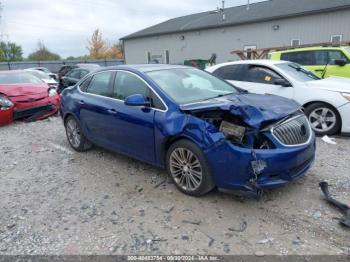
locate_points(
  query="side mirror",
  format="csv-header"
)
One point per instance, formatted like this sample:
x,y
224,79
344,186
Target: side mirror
x,y
136,100
282,82
340,62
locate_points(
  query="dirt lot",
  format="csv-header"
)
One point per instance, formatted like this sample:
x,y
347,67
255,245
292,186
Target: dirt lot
x,y
56,201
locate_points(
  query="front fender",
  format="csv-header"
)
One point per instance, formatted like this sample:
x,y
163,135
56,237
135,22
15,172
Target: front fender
x,y
175,125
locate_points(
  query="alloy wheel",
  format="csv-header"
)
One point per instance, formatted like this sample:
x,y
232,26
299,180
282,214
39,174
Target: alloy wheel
x,y
186,169
73,133
322,119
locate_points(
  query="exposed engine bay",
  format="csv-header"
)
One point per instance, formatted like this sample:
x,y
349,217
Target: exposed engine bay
x,y
235,130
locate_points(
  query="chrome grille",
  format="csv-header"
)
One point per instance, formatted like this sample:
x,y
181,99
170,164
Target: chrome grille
x,y
293,131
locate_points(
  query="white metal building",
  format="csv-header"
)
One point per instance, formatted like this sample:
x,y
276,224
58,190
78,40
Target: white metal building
x,y
266,24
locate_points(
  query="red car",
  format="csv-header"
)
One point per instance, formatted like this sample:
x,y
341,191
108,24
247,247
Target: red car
x,y
24,96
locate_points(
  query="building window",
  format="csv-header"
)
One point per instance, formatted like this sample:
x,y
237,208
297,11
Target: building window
x,y
336,39
295,42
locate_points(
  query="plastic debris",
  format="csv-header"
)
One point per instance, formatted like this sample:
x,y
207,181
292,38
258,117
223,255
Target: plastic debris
x,y
329,140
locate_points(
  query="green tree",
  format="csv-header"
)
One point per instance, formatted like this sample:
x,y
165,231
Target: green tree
x,y
10,52
43,54
85,57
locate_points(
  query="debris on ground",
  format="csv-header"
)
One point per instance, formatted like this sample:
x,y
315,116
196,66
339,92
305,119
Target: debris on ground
x,y
57,201
329,140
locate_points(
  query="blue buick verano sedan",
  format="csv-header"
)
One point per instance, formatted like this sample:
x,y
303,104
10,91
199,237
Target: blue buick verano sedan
x,y
204,131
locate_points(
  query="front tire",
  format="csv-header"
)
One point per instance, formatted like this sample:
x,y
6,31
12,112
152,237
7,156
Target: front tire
x,y
188,168
324,119
75,136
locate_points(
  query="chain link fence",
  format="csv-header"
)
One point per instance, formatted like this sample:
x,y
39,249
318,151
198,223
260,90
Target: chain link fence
x,y
54,66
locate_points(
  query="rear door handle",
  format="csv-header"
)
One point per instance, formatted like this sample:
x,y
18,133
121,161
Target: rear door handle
x,y
81,102
319,70
112,111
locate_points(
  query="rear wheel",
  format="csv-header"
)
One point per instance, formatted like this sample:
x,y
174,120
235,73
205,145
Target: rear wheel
x,y
324,119
188,168
75,136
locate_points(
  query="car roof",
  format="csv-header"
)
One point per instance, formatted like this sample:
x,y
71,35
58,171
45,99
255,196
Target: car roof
x,y
257,62
37,68
314,48
13,72
144,67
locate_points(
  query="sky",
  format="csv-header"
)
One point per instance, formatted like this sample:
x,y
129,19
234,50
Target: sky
x,y
64,26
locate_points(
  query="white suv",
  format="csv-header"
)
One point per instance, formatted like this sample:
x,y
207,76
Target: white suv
x,y
326,101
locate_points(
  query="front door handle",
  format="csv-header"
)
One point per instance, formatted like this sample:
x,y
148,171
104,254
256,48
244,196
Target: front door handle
x,y
81,102
319,70
112,111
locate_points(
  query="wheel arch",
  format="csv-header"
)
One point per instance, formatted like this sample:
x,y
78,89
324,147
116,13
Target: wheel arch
x,y
68,115
171,140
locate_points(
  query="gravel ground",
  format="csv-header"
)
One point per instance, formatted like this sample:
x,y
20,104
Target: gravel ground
x,y
56,201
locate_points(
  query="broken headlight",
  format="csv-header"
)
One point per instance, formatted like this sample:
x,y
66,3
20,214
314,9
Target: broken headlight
x,y
232,132
5,103
52,92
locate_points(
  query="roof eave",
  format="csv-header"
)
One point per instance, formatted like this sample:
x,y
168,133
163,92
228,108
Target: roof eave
x,y
333,9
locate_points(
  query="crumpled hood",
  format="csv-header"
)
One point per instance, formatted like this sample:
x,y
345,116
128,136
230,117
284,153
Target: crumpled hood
x,y
253,109
336,84
24,93
15,90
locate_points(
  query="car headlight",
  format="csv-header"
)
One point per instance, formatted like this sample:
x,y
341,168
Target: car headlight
x,y
5,103
52,92
346,96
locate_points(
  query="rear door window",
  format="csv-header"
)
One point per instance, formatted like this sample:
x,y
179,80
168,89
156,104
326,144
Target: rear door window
x,y
231,72
260,74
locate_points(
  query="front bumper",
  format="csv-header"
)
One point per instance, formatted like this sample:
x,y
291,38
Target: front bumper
x,y
344,112
37,110
231,166
6,116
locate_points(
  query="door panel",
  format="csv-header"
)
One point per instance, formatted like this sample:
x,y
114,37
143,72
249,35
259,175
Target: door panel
x,y
95,105
132,131
133,125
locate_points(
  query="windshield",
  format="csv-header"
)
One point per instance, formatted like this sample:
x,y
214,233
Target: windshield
x,y
19,78
39,74
348,49
297,72
188,85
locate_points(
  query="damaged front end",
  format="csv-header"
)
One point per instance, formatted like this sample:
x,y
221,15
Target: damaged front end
x,y
256,154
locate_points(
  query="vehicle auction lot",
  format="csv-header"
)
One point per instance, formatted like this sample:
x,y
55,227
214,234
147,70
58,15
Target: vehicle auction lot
x,y
57,201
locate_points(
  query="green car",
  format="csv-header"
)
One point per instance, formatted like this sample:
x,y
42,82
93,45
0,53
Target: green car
x,y
324,61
